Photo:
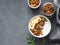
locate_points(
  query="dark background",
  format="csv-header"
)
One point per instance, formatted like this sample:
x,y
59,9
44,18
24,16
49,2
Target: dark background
x,y
14,19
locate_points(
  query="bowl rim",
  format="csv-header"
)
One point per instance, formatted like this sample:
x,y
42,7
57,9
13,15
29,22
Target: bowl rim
x,y
34,7
31,31
52,12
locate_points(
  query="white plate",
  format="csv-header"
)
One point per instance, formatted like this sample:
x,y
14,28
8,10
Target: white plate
x,y
46,28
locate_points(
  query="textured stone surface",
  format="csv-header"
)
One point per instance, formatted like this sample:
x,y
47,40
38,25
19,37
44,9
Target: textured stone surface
x,y
14,18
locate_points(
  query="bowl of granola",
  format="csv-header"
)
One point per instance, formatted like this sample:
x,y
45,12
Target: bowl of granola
x,y
39,26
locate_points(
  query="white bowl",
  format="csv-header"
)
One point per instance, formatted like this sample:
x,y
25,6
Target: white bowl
x,y
52,12
32,6
46,28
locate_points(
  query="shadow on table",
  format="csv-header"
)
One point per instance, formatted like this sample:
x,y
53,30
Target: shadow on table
x,y
54,36
35,11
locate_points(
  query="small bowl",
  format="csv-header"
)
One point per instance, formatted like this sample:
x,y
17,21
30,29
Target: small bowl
x,y
46,30
32,6
52,12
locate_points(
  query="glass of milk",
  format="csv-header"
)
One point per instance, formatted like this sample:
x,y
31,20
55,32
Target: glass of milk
x,y
57,3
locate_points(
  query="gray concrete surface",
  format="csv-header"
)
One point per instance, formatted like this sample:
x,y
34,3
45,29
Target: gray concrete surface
x,y
14,18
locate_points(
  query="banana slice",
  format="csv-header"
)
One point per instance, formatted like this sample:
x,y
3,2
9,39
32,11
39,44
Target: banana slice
x,y
34,21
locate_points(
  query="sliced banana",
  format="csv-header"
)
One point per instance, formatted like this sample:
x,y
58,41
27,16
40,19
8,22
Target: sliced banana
x,y
34,21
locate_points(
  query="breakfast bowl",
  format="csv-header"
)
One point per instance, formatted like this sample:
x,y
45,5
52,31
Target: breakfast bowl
x,y
48,9
34,3
39,26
